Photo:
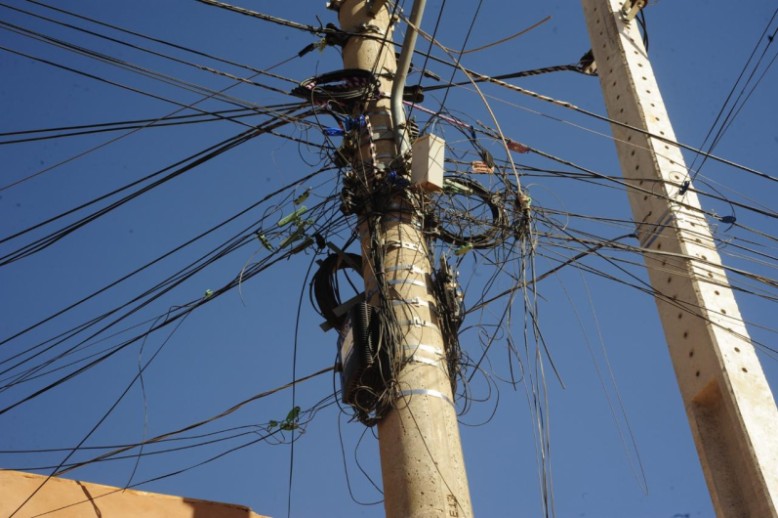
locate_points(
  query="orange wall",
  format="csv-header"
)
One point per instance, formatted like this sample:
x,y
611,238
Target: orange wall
x,y
63,498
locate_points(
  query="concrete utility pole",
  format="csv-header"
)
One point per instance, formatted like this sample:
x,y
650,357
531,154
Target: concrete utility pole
x,y
421,457
729,404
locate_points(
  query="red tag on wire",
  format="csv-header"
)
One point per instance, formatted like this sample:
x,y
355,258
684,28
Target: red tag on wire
x,y
517,147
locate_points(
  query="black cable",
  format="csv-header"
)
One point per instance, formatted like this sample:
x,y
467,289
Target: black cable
x,y
143,71
268,18
180,312
90,129
512,75
323,286
177,168
97,425
641,17
456,64
453,219
730,117
162,42
113,83
341,90
161,258
157,291
630,127
203,422
139,48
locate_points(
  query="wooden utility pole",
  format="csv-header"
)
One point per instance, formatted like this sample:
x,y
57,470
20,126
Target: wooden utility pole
x,y
728,401
421,457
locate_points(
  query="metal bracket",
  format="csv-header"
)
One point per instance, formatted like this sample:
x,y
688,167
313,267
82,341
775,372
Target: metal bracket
x,y
587,65
631,8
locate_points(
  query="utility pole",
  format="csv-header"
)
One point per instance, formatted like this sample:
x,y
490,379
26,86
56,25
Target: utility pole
x,y
731,410
421,457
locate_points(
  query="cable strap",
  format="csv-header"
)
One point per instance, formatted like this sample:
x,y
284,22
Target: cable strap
x,y
412,282
425,392
402,244
431,349
418,322
412,268
415,301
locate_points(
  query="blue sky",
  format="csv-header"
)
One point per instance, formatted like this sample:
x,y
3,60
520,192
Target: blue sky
x,y
613,414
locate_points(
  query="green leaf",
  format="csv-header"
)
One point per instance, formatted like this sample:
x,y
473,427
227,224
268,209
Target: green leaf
x,y
293,414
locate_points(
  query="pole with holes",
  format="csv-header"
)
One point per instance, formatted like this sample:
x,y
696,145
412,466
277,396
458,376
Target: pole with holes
x,y
728,401
422,463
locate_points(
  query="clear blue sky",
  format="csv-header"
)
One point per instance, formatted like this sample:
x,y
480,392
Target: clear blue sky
x,y
245,341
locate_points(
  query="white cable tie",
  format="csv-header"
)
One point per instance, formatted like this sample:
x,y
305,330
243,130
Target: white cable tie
x,y
426,392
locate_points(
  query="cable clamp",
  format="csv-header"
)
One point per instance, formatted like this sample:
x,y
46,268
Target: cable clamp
x,y
416,301
587,65
425,392
417,322
631,8
369,28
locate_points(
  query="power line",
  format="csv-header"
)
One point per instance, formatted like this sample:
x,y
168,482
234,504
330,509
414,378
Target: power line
x,y
163,42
